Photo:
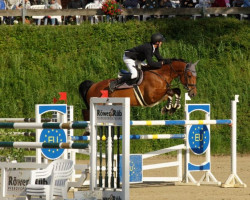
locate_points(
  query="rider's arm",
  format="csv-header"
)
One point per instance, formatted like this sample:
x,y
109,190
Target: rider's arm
x,y
158,55
152,63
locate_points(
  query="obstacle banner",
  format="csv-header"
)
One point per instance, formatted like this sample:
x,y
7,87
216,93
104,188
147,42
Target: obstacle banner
x,y
16,181
109,114
135,168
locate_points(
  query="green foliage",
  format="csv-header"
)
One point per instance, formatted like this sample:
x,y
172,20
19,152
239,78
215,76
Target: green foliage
x,y
14,153
38,62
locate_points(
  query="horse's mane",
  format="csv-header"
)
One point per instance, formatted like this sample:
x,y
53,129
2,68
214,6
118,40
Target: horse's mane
x,y
147,68
177,59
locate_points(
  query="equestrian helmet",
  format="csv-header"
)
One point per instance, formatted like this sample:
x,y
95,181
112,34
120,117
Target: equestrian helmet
x,y
157,37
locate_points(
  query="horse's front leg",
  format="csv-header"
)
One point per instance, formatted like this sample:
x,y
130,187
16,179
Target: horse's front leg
x,y
177,93
168,106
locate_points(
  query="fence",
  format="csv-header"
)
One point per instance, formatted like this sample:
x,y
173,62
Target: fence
x,y
159,11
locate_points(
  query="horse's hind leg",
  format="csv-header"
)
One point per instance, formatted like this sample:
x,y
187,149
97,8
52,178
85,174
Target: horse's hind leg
x,y
85,113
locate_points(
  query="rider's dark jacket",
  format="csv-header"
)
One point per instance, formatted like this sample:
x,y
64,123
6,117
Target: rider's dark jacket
x,y
145,52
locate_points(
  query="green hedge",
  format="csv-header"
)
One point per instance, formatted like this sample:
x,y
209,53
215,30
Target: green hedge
x,y
37,62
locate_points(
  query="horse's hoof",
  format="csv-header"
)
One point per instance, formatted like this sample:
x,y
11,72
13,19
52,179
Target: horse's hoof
x,y
172,111
163,111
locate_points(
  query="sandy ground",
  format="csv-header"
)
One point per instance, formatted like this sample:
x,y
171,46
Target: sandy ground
x,y
221,169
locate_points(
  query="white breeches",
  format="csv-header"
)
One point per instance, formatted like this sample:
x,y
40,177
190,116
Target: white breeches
x,y
131,64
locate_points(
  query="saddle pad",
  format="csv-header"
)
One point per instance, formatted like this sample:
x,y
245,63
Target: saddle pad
x,y
125,85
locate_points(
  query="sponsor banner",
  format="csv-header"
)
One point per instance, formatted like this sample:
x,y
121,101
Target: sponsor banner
x,y
16,182
109,114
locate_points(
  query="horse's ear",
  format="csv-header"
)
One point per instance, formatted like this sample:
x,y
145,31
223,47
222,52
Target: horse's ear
x,y
196,62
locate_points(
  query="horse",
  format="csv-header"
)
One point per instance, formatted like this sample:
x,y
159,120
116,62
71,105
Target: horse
x,y
154,88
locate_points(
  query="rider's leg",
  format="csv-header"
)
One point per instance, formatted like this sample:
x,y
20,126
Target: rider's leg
x,y
131,65
123,79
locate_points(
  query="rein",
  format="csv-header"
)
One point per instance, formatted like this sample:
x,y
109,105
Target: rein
x,y
168,85
186,86
139,96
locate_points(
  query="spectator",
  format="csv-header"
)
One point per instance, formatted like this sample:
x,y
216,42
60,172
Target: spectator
x,y
221,3
165,4
237,3
19,5
246,3
151,4
142,3
187,4
16,5
2,7
53,5
74,4
130,4
204,3
27,4
36,2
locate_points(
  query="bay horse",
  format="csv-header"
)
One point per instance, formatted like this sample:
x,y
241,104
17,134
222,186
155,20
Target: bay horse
x,y
155,87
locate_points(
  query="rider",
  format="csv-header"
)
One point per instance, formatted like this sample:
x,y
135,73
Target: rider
x,y
134,57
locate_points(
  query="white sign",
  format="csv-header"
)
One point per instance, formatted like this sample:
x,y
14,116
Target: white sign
x,y
16,182
109,114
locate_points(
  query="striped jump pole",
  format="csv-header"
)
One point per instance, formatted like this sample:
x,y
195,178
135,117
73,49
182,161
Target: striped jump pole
x,y
70,125
43,145
24,120
134,137
84,124
179,122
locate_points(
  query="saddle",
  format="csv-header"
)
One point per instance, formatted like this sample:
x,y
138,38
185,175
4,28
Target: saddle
x,y
115,85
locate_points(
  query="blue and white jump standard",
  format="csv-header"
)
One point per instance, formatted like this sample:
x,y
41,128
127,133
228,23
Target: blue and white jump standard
x,y
198,141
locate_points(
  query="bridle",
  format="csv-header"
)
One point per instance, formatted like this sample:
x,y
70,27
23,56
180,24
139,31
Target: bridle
x,y
187,69
186,86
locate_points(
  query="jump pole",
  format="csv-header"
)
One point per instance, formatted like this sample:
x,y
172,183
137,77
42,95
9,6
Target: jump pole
x,y
43,145
52,125
234,180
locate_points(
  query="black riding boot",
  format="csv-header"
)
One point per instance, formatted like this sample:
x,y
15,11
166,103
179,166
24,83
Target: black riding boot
x,y
114,84
123,79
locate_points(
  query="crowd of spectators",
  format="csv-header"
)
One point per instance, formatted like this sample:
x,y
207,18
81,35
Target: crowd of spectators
x,y
128,4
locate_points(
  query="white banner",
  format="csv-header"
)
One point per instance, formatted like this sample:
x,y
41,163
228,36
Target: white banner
x,y
16,182
109,114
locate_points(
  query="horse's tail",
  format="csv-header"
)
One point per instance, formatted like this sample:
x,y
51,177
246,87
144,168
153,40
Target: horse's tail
x,y
83,90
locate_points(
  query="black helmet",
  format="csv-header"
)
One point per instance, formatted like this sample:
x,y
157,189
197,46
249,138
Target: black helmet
x,y
157,37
